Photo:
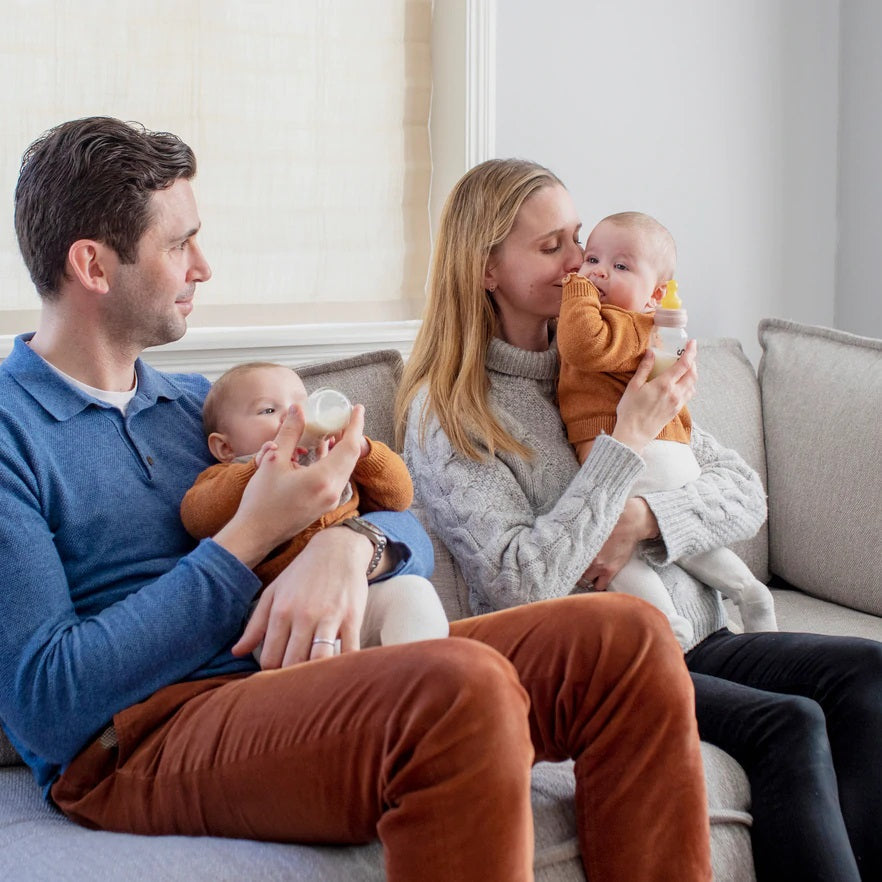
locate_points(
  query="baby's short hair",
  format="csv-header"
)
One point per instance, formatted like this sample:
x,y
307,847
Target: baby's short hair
x,y
220,388
663,243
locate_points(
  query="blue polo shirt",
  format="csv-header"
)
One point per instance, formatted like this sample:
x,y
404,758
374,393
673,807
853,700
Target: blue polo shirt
x,y
104,597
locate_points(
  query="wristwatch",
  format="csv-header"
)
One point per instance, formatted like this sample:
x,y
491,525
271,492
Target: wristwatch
x,y
375,534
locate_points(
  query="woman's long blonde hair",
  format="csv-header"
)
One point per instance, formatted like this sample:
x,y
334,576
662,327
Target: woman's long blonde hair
x,y
460,319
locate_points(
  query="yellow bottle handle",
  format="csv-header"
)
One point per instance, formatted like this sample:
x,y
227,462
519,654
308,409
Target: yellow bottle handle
x,y
671,300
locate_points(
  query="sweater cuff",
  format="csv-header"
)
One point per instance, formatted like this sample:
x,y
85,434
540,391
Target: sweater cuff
x,y
612,466
374,464
675,516
576,286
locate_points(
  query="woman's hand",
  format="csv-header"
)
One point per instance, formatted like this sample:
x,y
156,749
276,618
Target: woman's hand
x,y
636,523
646,406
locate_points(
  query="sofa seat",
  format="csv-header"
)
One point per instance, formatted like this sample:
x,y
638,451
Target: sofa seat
x,y
38,844
798,611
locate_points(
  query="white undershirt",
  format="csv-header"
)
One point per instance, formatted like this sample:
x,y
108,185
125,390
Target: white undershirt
x,y
119,400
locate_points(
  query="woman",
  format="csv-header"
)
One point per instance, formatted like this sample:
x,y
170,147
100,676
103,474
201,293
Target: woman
x,y
503,489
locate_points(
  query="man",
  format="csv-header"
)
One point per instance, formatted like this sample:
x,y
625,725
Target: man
x,y
127,684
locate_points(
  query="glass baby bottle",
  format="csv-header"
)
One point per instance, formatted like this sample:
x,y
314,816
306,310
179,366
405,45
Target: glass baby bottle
x,y
327,413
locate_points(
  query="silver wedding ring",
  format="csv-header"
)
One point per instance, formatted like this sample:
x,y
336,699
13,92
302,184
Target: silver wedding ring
x,y
316,640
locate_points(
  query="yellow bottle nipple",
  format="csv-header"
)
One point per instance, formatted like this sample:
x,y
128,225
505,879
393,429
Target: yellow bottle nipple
x,y
671,300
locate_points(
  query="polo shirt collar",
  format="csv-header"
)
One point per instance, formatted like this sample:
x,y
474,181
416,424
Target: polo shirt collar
x,y
64,401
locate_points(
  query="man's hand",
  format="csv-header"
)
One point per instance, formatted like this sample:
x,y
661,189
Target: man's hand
x,y
318,598
283,497
636,523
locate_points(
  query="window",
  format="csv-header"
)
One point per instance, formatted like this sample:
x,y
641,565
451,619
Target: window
x,y
310,124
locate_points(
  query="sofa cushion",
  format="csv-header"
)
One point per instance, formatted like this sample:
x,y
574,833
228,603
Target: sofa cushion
x,y
447,578
369,379
727,404
797,611
822,396
37,843
557,847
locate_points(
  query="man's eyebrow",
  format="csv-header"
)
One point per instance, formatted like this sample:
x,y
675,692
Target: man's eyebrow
x,y
188,235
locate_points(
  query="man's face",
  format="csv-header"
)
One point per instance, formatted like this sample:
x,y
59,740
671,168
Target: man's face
x,y
151,298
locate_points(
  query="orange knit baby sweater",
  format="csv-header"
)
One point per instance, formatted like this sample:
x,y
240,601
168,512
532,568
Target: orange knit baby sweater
x,y
380,482
600,347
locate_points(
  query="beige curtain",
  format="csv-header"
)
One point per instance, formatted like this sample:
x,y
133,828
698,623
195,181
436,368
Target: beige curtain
x,y
310,123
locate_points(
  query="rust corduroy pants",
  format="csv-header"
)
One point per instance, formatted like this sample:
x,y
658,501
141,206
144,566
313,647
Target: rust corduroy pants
x,y
429,746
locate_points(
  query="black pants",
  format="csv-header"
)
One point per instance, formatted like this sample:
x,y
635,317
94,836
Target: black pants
x,y
802,713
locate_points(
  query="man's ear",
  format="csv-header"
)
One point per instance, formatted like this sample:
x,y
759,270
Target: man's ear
x,y
88,264
220,448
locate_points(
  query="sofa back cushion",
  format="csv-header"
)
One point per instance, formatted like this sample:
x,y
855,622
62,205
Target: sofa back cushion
x,y
369,379
372,379
822,397
727,404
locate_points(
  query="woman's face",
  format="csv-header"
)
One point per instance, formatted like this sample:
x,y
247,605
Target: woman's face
x,y
526,271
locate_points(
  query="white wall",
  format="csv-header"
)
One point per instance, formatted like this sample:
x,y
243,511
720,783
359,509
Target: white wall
x,y
719,118
859,289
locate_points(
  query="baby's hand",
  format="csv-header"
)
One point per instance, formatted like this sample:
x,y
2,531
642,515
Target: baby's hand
x,y
364,450
304,457
266,447
322,448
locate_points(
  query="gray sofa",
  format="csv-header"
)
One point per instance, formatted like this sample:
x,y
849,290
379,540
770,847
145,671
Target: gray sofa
x,y
808,424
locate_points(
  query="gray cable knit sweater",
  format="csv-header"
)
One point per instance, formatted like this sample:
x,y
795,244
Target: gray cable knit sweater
x,y
525,530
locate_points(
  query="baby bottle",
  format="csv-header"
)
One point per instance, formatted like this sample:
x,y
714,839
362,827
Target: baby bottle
x,y
669,338
327,413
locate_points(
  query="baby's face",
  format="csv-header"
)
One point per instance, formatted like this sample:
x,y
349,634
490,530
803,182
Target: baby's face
x,y
620,263
256,406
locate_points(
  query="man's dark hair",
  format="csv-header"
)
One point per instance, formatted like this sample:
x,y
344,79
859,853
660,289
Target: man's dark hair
x,y
91,179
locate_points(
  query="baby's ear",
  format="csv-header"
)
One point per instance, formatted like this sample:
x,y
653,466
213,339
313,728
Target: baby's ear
x,y
220,448
658,293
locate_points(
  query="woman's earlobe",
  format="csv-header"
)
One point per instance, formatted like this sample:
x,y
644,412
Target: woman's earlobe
x,y
490,283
